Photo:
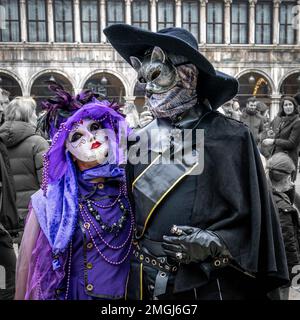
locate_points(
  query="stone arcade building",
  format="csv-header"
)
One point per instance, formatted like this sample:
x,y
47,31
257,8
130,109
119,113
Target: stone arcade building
x,y
258,41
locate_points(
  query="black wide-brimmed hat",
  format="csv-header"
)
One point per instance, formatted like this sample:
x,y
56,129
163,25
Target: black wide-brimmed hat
x,y
213,85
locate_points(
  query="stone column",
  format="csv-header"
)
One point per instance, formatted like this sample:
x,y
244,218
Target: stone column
x,y
227,21
251,21
178,19
23,20
153,17
276,4
297,21
77,21
128,11
50,21
102,19
274,107
203,21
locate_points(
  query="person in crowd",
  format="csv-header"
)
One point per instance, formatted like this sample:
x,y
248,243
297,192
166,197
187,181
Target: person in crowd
x,y
280,168
78,237
236,108
228,110
268,132
25,150
287,131
4,101
252,118
263,110
9,227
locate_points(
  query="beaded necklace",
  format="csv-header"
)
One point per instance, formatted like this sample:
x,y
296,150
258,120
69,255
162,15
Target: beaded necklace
x,y
88,222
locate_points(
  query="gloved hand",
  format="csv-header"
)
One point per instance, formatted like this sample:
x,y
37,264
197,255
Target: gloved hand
x,y
193,245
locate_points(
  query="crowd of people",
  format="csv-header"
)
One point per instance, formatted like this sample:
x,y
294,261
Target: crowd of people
x,y
82,224
279,143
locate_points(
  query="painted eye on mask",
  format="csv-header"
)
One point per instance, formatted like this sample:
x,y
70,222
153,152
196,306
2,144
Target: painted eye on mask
x,y
155,74
142,80
76,136
95,126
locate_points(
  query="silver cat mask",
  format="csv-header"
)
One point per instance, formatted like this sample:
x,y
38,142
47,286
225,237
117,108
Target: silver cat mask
x,y
157,70
171,82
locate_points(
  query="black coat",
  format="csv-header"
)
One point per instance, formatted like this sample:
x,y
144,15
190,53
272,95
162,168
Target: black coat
x,y
25,152
9,220
287,138
290,226
230,197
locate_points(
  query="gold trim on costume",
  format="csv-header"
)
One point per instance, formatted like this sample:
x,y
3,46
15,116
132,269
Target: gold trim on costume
x,y
126,286
141,281
163,196
139,176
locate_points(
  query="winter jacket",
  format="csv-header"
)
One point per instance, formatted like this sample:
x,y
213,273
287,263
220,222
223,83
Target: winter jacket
x,y
25,152
255,123
290,225
287,138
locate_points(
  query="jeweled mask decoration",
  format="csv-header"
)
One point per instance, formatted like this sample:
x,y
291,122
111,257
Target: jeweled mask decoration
x,y
88,141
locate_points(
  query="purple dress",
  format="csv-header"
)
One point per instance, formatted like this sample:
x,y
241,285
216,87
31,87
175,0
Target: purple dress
x,y
95,275
96,264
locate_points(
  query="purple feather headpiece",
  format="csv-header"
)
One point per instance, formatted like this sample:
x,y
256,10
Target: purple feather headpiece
x,y
60,107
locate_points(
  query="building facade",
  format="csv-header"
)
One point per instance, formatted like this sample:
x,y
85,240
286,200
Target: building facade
x,y
257,41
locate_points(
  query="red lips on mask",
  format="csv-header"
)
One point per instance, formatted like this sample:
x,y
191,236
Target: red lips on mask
x,y
96,145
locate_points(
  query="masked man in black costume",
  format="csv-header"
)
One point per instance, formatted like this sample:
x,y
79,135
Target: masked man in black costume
x,y
208,234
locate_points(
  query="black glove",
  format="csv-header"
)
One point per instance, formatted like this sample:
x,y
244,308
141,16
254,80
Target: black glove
x,y
193,245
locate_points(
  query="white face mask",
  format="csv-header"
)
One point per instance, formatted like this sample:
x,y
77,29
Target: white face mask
x,y
88,142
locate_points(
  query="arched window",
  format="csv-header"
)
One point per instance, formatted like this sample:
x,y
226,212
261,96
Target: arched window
x,y
40,91
291,84
11,85
254,84
108,85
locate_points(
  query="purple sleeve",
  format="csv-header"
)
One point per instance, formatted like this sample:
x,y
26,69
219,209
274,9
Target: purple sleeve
x,y
28,243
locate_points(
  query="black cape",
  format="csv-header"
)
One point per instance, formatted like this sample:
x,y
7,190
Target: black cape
x,y
231,198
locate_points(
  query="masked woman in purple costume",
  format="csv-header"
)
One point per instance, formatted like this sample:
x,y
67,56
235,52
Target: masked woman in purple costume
x,y
77,240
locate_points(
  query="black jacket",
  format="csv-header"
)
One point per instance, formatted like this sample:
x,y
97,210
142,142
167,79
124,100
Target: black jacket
x,y
25,151
230,197
287,138
9,220
290,226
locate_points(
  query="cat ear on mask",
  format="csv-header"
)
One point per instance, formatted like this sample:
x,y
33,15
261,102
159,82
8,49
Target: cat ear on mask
x,y
158,55
136,63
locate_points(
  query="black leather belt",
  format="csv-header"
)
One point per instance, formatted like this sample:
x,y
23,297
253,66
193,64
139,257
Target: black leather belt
x,y
160,263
